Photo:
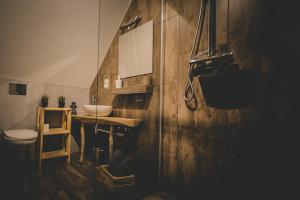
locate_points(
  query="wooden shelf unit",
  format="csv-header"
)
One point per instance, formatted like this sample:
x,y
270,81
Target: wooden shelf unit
x,y
53,154
55,109
65,130
132,90
56,131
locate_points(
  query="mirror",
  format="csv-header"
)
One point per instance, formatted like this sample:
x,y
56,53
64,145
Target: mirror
x,y
136,51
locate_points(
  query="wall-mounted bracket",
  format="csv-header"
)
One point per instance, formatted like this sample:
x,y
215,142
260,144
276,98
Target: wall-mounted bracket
x,y
207,65
131,24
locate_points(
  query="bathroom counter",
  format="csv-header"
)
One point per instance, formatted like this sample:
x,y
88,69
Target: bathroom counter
x,y
114,121
111,121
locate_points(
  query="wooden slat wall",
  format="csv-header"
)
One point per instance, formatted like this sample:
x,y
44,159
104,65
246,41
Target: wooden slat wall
x,y
210,151
213,151
128,105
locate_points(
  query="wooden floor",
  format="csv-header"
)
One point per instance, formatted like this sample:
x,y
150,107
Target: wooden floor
x,y
19,180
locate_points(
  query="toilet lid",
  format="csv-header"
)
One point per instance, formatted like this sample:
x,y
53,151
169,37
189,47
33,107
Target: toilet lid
x,y
21,134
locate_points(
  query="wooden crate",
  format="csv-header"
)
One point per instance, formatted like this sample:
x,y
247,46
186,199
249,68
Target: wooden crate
x,y
112,182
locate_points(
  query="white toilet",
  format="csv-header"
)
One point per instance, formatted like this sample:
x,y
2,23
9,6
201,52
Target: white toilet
x,y
21,141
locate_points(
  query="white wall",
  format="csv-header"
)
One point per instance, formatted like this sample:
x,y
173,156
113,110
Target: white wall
x,y
55,41
111,16
51,45
51,41
18,111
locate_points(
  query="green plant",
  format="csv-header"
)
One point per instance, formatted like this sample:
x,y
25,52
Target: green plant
x,y
44,100
61,101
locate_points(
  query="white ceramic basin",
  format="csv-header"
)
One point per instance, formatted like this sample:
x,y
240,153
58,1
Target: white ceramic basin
x,y
99,110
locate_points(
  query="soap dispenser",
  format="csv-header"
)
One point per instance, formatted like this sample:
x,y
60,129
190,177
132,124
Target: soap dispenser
x,y
119,82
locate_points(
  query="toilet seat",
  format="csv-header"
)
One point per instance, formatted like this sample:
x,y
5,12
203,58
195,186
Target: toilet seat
x,y
20,136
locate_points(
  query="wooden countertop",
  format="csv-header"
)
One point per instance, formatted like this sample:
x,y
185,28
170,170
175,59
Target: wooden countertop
x,y
109,120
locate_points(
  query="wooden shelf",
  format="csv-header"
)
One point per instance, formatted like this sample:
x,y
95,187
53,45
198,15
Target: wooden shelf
x,y
132,90
65,130
114,121
55,109
56,131
53,154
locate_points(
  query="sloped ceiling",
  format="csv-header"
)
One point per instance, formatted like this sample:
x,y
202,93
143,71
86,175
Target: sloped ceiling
x,y
56,41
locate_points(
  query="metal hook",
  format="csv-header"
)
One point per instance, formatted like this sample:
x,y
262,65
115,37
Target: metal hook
x,y
139,100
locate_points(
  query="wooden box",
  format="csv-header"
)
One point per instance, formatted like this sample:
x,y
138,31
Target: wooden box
x,y
112,182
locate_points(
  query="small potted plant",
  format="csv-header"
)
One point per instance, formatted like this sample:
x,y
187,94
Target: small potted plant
x,y
44,101
61,101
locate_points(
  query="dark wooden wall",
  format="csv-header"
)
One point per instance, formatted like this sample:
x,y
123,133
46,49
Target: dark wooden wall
x,y
216,152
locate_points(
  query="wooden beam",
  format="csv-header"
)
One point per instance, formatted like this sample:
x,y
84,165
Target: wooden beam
x,y
132,90
118,121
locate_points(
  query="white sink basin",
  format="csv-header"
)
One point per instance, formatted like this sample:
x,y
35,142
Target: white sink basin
x,y
99,110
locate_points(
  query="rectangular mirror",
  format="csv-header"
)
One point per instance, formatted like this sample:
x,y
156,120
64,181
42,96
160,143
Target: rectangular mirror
x,y
136,51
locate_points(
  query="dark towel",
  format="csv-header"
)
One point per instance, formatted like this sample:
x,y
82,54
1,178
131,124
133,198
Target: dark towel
x,y
126,167
117,156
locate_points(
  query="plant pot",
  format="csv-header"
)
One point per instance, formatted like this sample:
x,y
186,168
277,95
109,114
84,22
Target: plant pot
x,y
61,105
44,104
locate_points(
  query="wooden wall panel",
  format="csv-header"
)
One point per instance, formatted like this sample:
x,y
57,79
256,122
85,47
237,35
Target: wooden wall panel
x,y
213,152
223,152
130,105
